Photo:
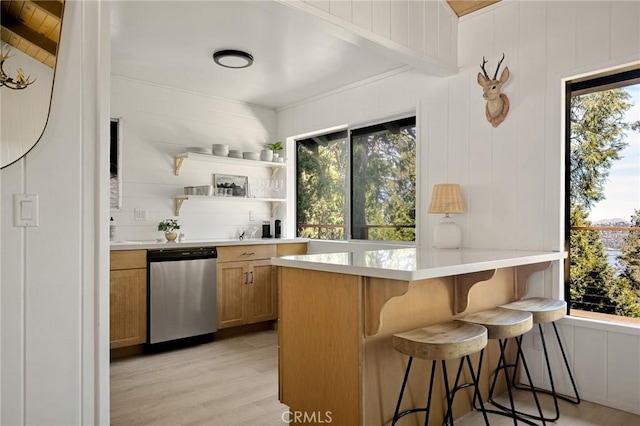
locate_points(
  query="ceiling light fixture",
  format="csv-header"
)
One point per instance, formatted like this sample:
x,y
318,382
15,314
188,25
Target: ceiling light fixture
x,y
233,58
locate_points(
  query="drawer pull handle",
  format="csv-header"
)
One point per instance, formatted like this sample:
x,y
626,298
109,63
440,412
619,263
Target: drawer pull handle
x,y
251,282
246,278
248,254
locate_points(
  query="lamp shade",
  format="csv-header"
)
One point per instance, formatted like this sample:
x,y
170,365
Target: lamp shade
x,y
446,198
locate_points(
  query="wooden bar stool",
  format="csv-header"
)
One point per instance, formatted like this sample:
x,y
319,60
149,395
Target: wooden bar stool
x,y
546,311
503,324
441,342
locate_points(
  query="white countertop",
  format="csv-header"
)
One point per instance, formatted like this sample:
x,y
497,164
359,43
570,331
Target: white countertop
x,y
410,264
154,245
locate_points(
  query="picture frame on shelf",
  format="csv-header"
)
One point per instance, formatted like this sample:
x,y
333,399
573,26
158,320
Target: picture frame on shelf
x,y
230,185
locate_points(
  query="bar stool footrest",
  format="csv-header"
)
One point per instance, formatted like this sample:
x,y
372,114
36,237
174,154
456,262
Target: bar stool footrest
x,y
570,399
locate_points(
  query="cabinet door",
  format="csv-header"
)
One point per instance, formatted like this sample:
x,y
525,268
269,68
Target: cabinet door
x,y
261,292
232,279
128,313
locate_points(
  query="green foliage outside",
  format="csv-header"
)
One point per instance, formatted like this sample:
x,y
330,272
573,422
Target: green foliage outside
x,y
598,130
384,186
383,178
321,184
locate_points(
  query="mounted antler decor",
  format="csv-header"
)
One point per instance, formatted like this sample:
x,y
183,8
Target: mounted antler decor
x,y
497,103
20,82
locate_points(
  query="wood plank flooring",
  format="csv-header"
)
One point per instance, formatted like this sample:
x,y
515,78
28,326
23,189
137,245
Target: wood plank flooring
x,y
234,381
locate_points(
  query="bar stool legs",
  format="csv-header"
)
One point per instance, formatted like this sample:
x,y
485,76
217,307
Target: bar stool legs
x,y
545,311
449,393
504,367
503,324
441,342
556,396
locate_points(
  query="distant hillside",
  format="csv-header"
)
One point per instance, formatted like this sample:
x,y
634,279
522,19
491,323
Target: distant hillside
x,y
612,239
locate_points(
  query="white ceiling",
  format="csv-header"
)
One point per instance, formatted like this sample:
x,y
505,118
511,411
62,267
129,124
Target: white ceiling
x,y
171,43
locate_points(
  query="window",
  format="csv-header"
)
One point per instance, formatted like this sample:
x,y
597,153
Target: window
x,y
359,184
603,199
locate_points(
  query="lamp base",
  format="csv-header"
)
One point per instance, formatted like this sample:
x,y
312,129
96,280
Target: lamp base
x,y
447,234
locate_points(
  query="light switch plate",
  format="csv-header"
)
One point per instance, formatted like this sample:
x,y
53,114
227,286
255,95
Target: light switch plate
x,y
25,210
139,214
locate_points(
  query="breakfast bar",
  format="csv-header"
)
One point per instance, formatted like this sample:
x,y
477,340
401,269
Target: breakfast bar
x,y
338,312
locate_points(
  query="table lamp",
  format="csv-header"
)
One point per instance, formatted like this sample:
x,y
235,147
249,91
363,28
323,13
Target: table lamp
x,y
447,198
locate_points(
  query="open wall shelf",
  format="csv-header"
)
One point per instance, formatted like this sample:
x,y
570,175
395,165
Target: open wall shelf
x,y
274,202
192,156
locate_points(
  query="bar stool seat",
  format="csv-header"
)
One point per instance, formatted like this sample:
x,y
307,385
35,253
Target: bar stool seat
x,y
546,311
543,310
503,324
441,342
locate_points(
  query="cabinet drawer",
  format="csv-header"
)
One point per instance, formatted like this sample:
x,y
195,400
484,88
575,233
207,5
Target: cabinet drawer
x,y
235,253
128,259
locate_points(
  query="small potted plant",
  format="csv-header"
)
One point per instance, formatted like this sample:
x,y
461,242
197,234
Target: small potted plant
x,y
168,226
275,147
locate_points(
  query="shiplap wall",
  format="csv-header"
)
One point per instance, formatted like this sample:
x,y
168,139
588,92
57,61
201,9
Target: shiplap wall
x,y
512,175
54,295
424,28
160,122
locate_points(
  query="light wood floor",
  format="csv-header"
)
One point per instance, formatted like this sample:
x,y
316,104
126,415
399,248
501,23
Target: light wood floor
x,y
234,381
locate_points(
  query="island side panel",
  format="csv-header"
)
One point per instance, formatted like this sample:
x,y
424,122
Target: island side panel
x,y
426,302
321,333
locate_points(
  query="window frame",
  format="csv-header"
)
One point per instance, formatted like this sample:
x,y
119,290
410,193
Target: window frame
x,y
348,174
621,77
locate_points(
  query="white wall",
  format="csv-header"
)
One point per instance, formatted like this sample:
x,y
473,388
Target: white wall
x,y
423,33
161,122
512,175
50,319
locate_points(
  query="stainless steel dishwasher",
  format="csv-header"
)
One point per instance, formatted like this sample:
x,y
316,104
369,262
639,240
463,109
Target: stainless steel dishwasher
x,y
182,293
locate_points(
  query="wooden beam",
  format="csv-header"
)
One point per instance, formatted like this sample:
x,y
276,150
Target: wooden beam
x,y
21,30
53,8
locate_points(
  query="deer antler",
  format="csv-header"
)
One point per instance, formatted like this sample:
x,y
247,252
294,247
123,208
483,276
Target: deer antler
x,y
495,76
484,62
20,82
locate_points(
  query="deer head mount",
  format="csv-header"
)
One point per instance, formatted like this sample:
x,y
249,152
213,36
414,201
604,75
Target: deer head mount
x,y
497,103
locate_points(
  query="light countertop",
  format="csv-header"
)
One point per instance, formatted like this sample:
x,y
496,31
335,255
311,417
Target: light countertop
x,y
410,264
189,243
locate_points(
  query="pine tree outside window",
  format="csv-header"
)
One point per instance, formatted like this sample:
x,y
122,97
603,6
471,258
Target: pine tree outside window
x,y
358,184
603,197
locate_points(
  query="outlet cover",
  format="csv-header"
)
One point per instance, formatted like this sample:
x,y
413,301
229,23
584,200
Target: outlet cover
x,y
139,214
536,341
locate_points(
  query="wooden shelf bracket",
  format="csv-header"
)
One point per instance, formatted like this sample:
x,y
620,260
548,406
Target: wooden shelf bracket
x,y
462,285
177,165
522,274
178,205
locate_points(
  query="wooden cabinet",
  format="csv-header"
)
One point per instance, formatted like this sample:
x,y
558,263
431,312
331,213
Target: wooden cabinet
x,y
128,298
247,289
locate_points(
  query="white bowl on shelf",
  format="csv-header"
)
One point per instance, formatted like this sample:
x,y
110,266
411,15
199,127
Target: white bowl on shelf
x,y
251,156
221,150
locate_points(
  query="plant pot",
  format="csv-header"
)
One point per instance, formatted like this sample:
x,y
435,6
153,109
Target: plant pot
x,y
266,155
275,156
171,236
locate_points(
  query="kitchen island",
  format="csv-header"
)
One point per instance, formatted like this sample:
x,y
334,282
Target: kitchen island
x,y
339,310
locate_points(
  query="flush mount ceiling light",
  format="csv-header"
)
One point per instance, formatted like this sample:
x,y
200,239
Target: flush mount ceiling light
x,y
233,58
